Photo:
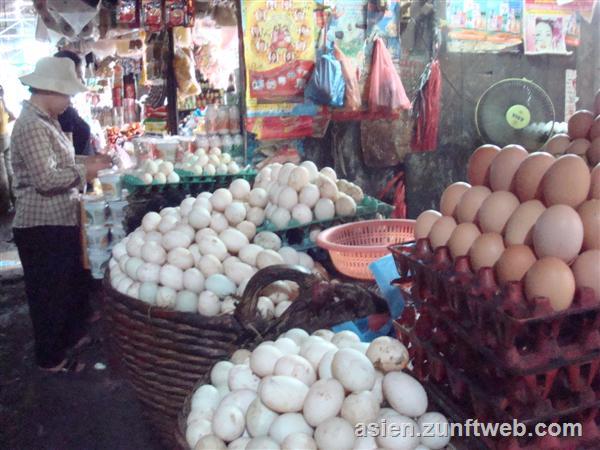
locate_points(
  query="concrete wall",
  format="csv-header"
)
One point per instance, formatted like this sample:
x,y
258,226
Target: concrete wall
x,y
465,78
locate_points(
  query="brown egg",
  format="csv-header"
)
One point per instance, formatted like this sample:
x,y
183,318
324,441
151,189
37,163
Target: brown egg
x,y
424,223
495,211
528,179
505,165
593,154
486,250
514,263
519,228
589,212
558,144
466,210
478,167
566,182
595,184
580,123
451,197
585,268
441,231
559,233
550,277
595,129
579,147
462,239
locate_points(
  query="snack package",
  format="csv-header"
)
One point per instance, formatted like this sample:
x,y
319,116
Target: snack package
x,y
127,14
185,72
179,13
152,17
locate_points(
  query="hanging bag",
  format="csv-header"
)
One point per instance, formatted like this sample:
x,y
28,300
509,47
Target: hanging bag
x,y
350,73
386,92
326,85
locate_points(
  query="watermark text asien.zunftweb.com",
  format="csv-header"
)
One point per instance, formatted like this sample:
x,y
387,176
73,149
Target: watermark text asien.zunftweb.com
x,y
470,428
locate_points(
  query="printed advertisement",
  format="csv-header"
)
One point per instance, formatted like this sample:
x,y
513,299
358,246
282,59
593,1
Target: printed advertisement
x,y
279,50
550,26
480,26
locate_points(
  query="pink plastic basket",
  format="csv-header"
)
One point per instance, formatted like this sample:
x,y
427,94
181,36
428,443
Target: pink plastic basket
x,y
353,246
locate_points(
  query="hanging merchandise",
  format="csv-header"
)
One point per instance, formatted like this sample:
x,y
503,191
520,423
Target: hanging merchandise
x,y
386,92
179,13
128,14
326,84
352,97
152,17
426,108
185,72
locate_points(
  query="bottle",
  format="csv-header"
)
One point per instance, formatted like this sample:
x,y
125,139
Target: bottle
x,y
223,120
211,119
234,119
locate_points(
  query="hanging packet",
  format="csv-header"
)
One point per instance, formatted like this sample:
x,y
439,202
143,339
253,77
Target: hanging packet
x,y
386,92
326,85
352,95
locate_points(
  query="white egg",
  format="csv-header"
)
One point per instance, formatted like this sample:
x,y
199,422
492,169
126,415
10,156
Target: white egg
x,y
302,214
208,304
404,393
235,213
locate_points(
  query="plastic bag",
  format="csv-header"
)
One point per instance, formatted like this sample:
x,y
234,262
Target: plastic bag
x,y
386,92
185,72
352,95
326,85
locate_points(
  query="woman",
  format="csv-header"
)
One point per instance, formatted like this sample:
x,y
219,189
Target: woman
x,y
45,226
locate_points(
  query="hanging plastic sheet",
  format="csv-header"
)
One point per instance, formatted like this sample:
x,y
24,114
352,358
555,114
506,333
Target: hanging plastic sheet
x,y
352,96
326,85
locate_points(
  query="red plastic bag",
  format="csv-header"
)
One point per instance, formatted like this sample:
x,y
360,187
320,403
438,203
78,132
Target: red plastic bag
x,y
352,97
399,202
386,92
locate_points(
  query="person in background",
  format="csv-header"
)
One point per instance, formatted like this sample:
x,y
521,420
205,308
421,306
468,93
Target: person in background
x,y
70,121
7,197
45,226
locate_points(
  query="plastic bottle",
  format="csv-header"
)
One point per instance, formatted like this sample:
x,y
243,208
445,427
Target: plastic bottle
x,y
211,119
223,120
234,119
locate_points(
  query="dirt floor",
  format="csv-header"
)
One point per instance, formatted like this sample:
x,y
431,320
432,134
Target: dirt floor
x,y
93,409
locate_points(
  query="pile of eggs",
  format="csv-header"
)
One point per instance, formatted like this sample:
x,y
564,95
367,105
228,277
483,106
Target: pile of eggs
x,y
302,194
156,171
325,391
212,163
532,217
582,138
199,256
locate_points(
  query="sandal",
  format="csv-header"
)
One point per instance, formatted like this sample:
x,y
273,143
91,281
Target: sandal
x,y
71,365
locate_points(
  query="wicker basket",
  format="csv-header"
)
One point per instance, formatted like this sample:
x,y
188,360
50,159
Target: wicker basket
x,y
328,305
353,246
166,352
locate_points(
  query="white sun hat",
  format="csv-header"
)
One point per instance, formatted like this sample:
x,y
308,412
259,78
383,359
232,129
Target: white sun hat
x,y
55,75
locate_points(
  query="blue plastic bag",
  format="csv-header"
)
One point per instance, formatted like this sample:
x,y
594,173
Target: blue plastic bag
x,y
326,85
384,270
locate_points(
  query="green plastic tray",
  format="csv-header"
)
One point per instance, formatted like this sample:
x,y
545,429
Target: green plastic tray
x,y
298,236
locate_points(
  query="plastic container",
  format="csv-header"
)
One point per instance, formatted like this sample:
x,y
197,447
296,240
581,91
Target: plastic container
x,y
223,120
111,184
167,149
354,246
117,211
211,119
95,210
98,259
234,119
97,236
117,234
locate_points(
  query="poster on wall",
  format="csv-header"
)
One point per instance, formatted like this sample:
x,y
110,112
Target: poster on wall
x,y
481,26
551,26
279,49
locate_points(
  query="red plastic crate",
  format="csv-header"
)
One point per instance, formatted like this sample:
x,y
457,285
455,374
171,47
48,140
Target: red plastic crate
x,y
519,335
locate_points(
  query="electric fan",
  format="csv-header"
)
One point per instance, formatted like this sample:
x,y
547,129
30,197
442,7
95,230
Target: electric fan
x,y
515,111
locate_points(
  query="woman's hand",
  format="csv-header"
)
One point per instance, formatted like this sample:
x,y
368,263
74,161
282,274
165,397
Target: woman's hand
x,y
93,164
